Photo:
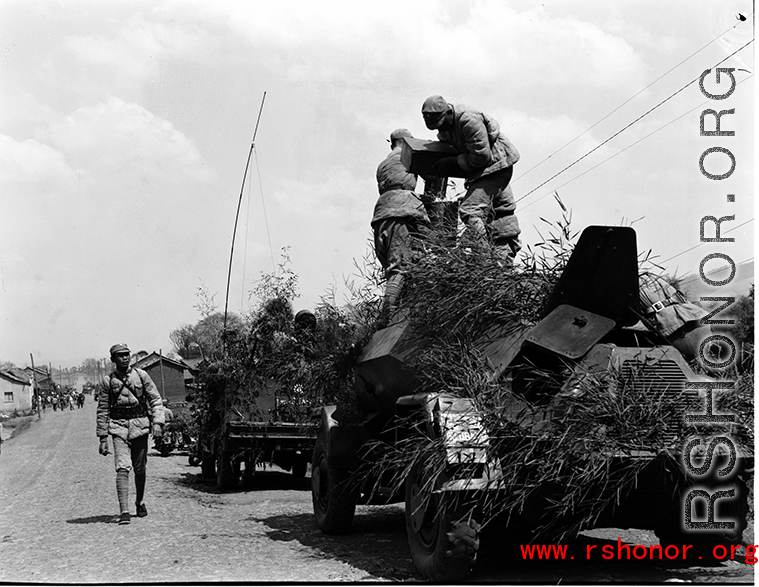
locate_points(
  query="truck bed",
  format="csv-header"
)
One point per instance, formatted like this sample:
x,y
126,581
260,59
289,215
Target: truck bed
x,y
272,430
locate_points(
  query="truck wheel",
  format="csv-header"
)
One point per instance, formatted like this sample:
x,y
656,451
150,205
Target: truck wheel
x,y
299,468
430,518
207,465
226,472
334,501
193,461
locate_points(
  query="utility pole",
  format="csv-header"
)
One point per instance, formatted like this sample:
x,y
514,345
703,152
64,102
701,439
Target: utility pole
x,y
160,365
36,389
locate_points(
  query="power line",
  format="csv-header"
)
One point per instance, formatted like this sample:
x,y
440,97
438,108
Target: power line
x,y
695,277
632,145
627,101
616,134
702,243
624,149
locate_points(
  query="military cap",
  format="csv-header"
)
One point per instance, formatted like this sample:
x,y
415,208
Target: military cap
x,y
433,111
119,348
399,133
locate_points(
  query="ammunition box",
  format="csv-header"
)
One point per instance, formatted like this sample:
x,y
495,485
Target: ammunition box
x,y
419,155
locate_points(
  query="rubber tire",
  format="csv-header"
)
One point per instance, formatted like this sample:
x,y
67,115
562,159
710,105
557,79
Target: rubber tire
x,y
333,499
165,449
227,474
193,461
299,468
430,543
207,466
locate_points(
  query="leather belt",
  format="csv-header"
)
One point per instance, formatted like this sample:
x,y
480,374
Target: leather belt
x,y
657,307
396,187
128,412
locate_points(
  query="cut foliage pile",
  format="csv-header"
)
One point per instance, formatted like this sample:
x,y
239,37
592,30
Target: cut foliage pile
x,y
570,442
560,450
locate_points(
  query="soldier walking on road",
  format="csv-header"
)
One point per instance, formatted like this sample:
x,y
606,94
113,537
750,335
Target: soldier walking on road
x,y
128,402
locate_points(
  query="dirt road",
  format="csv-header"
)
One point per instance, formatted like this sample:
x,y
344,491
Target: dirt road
x,y
58,524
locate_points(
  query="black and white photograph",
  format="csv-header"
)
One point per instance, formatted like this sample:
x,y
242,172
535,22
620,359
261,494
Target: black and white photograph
x,y
431,291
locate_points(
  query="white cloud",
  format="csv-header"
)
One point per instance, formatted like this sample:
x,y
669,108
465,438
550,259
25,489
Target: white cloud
x,y
136,49
29,168
538,136
485,42
339,196
20,107
125,139
144,113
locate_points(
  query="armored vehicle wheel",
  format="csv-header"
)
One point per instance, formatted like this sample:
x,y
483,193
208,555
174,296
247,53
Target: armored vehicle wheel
x,y
430,518
227,471
334,501
299,468
207,465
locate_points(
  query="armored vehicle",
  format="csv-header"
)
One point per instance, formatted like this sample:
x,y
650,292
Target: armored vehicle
x,y
590,327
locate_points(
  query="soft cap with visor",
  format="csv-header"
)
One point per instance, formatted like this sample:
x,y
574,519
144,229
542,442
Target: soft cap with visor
x,y
434,110
119,348
399,133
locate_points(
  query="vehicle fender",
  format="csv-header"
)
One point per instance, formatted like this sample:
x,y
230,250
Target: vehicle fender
x,y
419,408
327,420
343,442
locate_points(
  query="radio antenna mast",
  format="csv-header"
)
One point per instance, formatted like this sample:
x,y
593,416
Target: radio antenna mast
x,y
237,215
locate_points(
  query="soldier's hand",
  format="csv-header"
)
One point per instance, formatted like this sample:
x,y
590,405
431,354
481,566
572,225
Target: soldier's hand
x,y
157,430
103,449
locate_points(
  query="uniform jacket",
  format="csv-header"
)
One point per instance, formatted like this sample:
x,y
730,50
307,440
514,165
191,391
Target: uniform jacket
x,y
112,389
665,309
396,187
482,147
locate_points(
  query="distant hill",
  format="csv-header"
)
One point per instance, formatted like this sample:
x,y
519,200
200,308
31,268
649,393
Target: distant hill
x,y
694,287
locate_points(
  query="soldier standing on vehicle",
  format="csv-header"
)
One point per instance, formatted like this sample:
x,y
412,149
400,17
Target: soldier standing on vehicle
x,y
128,402
486,157
398,216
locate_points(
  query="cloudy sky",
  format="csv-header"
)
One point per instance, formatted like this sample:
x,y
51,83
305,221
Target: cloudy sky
x,y
125,127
